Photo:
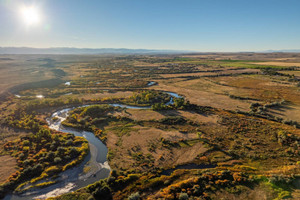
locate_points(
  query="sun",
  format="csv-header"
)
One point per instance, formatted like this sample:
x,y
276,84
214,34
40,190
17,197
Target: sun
x,y
30,15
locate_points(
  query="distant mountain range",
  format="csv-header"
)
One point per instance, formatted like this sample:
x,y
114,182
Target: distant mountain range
x,y
284,51
66,50
69,50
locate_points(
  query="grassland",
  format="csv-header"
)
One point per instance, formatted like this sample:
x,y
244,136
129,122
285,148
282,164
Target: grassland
x,y
239,121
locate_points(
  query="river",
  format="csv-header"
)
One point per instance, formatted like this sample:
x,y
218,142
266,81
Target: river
x,y
76,177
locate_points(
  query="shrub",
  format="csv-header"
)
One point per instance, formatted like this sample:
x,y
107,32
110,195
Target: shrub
x,y
61,151
26,162
26,143
50,156
69,142
96,110
196,190
57,160
91,198
178,102
73,152
134,196
52,170
114,173
27,171
100,190
38,168
173,120
183,196
45,184
21,156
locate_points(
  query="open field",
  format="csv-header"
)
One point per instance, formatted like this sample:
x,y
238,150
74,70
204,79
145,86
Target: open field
x,y
8,165
202,96
283,64
233,130
11,69
296,73
224,72
248,56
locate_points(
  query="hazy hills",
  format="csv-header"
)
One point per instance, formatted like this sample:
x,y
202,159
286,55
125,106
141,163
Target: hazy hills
x,y
69,50
66,50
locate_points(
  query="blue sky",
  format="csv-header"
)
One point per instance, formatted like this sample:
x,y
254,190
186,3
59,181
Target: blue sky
x,y
201,25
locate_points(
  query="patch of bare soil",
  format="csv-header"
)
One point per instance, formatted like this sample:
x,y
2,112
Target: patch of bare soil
x,y
262,193
8,166
289,112
142,138
199,118
140,115
188,154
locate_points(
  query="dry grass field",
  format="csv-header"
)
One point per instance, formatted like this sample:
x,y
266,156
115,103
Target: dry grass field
x,y
283,64
219,72
200,94
20,69
239,118
8,166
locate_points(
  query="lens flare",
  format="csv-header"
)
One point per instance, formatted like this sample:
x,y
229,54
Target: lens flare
x,y
30,15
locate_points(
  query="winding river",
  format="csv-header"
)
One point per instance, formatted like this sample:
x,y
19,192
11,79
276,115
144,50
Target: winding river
x,y
93,168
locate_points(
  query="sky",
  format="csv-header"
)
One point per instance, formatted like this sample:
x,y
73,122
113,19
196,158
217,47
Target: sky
x,y
197,25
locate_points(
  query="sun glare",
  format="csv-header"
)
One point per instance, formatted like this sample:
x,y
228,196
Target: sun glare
x,y
30,15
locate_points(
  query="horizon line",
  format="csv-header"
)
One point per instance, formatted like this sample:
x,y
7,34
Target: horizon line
x,y
150,49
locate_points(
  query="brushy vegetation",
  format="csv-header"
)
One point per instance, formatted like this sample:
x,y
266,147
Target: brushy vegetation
x,y
245,149
197,184
41,152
